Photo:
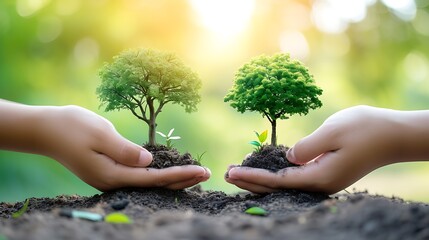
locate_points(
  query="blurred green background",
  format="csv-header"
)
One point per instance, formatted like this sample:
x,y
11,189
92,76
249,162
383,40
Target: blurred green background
x,y
359,51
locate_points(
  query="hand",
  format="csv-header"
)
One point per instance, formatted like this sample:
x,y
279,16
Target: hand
x,y
349,144
89,146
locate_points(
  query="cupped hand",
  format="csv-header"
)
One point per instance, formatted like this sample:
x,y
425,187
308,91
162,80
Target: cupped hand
x,y
347,146
89,146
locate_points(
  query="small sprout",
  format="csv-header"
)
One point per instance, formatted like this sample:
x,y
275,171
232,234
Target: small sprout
x,y
22,210
262,137
199,157
168,137
256,211
118,218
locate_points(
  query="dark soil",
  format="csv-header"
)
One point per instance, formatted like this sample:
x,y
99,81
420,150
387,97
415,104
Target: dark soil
x,y
196,214
272,158
164,157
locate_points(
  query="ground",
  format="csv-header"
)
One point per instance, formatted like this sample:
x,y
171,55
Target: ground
x,y
197,214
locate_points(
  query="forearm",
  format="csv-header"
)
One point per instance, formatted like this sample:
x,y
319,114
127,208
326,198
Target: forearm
x,y
18,127
414,135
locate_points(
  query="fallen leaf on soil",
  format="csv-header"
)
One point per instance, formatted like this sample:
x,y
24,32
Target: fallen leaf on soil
x,y
256,211
117,218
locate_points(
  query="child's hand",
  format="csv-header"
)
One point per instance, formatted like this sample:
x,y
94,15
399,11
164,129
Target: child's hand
x,y
348,145
89,146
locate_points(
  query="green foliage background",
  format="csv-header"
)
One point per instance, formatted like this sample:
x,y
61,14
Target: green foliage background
x,y
51,51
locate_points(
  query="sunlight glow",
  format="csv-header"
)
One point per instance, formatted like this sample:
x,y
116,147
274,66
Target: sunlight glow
x,y
294,43
49,29
27,8
224,18
404,9
415,67
86,51
333,16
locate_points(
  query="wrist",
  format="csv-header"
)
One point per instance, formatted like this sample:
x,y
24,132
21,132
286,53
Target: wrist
x,y
414,136
18,127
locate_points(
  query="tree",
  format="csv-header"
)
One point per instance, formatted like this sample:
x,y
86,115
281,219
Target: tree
x,y
143,81
275,86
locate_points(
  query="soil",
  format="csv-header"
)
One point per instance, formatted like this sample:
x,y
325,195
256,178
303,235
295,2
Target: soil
x,y
197,214
164,157
272,158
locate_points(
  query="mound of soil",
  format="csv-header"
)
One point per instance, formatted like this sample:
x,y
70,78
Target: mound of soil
x,y
164,157
197,214
272,158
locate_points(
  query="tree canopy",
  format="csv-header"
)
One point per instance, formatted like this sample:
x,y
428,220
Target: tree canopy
x,y
144,80
275,86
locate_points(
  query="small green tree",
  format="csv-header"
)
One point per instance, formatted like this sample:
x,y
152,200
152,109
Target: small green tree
x,y
275,86
143,81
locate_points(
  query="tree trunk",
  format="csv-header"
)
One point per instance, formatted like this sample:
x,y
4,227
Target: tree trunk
x,y
274,133
152,124
152,130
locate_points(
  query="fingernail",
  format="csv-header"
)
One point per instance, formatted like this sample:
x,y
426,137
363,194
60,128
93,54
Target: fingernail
x,y
226,175
290,155
232,170
208,172
145,157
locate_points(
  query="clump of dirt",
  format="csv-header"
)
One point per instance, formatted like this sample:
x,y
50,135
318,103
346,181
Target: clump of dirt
x,y
272,158
164,157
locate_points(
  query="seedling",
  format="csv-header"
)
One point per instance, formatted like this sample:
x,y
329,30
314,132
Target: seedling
x,y
144,81
262,137
22,210
168,138
199,157
276,87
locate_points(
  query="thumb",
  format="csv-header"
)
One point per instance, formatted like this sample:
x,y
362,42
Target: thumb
x,y
125,152
321,141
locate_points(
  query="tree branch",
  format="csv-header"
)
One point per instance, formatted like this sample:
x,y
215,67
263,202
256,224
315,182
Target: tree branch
x,y
268,117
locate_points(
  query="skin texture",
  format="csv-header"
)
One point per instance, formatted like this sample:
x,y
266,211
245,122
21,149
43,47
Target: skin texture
x,y
89,146
347,146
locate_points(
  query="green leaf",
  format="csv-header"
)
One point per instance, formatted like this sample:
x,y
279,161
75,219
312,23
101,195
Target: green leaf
x,y
255,143
21,211
171,132
257,134
174,138
263,136
117,218
256,211
162,134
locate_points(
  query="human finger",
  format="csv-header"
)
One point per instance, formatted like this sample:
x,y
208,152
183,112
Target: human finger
x,y
251,186
151,177
123,151
323,140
